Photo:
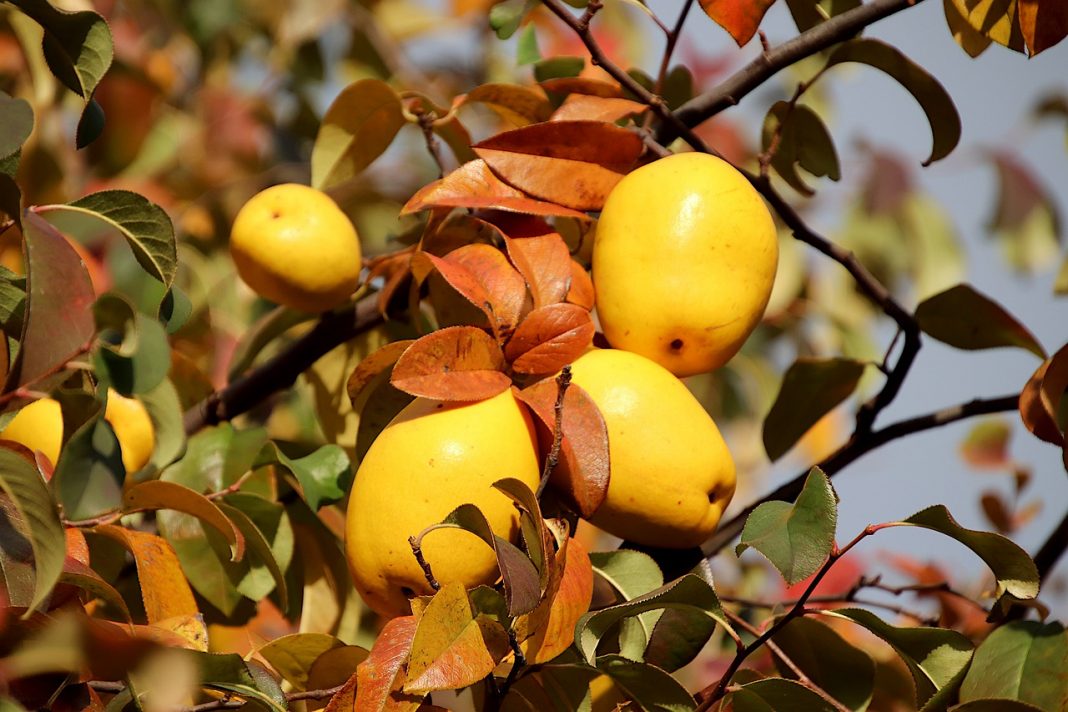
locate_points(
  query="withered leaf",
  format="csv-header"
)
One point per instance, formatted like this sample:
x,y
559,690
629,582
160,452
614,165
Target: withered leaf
x,y
458,363
550,338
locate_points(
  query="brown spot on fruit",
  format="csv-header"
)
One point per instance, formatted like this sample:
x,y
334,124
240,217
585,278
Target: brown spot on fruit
x,y
407,591
676,344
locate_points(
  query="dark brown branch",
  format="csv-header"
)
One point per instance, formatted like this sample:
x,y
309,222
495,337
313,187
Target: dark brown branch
x,y
1051,551
278,373
562,383
769,63
417,551
859,446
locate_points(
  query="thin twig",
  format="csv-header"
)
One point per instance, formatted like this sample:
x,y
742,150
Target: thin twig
x,y
25,392
433,146
563,380
1052,550
672,42
417,549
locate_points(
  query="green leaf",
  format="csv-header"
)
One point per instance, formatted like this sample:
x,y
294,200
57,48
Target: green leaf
x,y
216,457
160,494
778,695
632,574
324,476
845,672
521,581
505,17
1060,285
357,128
803,140
174,309
995,705
144,225
77,574
229,673
58,324
1022,660
165,411
89,475
526,50
531,524
133,353
77,45
647,685
558,67
796,538
811,388
292,656
90,125
928,92
1015,571
934,656
16,124
677,638
269,537
689,592
809,13
205,559
23,484
12,301
964,318
10,195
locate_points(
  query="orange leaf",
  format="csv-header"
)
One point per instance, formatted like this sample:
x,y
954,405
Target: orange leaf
x,y
740,18
473,185
583,85
583,107
573,163
459,363
1041,397
453,648
541,256
373,365
344,700
551,626
1044,23
550,338
160,494
164,588
380,676
581,291
582,473
77,547
516,104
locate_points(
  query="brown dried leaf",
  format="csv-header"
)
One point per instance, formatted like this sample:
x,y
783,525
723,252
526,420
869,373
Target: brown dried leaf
x,y
374,365
573,163
997,512
516,104
583,107
1041,397
550,338
1044,23
381,676
581,475
550,629
581,291
459,363
987,445
583,85
541,257
164,588
473,185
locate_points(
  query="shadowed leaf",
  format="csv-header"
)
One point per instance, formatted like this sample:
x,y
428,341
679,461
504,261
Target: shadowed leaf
x,y
230,673
740,18
541,256
572,163
797,538
803,140
1043,23
76,573
16,124
1022,660
89,475
292,655
987,445
549,629
846,672
582,472
809,13
971,40
1042,396
356,129
457,363
995,705
549,338
581,291
269,538
373,366
164,589
452,648
516,104
586,107
647,685
778,695
965,318
473,185
159,494
810,389
928,92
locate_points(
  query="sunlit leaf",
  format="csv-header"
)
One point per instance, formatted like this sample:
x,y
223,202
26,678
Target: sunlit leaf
x,y
846,672
1043,396
457,363
518,105
373,366
797,538
292,656
811,388
23,484
143,224
740,18
324,476
963,317
1022,660
356,129
550,629
987,444
971,40
550,338
380,676
809,13
928,92
160,494
1043,23
541,256
572,163
777,695
586,107
164,589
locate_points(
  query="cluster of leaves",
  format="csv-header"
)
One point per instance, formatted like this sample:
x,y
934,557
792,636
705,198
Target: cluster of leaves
x,y
214,575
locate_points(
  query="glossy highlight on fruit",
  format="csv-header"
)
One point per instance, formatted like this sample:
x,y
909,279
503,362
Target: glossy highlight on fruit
x,y
683,262
293,245
431,458
671,472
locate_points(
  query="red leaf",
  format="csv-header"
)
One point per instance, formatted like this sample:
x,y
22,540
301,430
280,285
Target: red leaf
x,y
551,626
581,291
740,18
541,257
482,275
550,338
374,365
583,85
473,185
381,675
460,363
583,107
581,475
1041,397
573,163
1044,23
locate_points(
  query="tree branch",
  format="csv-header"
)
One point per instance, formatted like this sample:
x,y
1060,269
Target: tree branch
x,y
855,448
278,373
730,91
1052,550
